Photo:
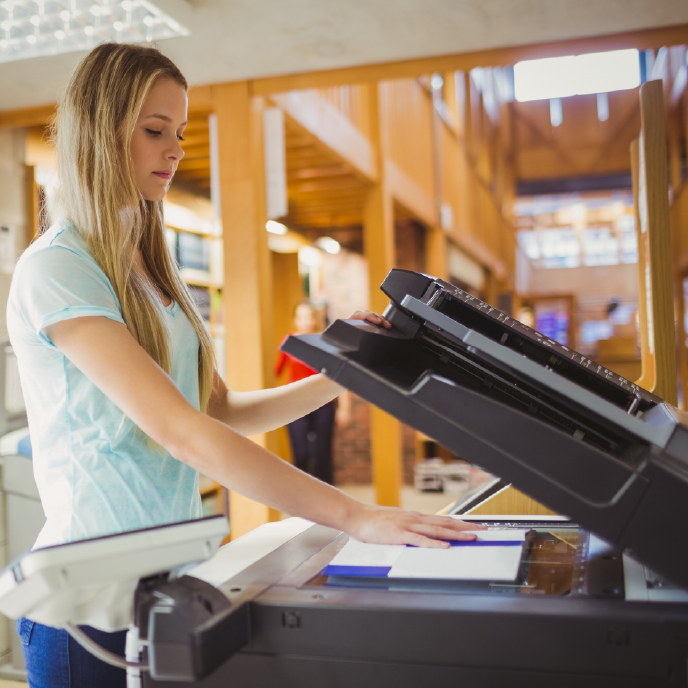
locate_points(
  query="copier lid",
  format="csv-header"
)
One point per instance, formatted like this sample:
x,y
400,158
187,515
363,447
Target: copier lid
x,y
562,428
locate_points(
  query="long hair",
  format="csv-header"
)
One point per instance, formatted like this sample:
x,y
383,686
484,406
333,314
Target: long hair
x,y
98,194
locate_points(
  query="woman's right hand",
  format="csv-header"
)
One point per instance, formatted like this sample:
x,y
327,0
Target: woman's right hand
x,y
392,526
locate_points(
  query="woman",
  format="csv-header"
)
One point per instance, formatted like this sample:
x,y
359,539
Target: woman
x,y
124,402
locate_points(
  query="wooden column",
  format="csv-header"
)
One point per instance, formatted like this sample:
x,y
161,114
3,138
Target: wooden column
x,y
379,247
249,344
654,221
287,293
647,366
436,252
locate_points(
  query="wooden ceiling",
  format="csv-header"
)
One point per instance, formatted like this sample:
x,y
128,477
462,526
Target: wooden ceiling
x,y
325,195
581,145
322,191
194,169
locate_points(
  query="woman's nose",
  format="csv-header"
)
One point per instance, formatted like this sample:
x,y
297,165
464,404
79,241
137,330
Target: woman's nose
x,y
176,152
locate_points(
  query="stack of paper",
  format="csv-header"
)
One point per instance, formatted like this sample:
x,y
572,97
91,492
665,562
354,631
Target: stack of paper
x,y
494,555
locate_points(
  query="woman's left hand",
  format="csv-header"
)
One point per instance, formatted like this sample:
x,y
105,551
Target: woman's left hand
x,y
372,318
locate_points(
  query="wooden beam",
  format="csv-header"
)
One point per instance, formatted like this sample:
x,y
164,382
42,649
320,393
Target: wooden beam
x,y
317,172
247,290
333,184
201,99
28,117
338,134
496,57
380,250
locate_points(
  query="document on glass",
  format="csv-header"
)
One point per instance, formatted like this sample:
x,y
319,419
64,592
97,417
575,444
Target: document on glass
x,y
495,555
490,557
362,559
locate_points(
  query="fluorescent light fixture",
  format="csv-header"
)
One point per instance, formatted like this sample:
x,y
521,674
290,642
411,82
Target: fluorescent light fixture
x,y
275,227
560,77
602,107
62,27
329,245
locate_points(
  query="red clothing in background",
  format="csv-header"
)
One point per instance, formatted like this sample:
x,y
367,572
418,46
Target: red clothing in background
x,y
295,369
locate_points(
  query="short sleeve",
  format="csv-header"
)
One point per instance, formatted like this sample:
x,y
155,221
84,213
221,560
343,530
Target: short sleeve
x,y
55,284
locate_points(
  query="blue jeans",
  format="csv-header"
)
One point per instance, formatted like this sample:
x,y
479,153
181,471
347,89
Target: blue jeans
x,y
55,660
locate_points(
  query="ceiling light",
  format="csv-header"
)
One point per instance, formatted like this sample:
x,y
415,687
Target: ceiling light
x,y
560,77
275,227
329,245
77,20
310,257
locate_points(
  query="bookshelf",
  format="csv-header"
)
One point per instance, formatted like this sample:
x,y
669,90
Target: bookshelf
x,y
194,239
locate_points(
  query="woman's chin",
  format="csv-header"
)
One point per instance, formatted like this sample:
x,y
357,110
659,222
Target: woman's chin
x,y
155,194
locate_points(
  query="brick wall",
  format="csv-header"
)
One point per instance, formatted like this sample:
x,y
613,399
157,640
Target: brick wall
x,y
351,451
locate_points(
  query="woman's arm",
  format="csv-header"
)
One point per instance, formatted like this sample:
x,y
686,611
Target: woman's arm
x,y
110,357
251,413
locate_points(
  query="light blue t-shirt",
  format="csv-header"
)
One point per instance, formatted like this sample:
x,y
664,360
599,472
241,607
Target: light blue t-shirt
x,y
95,471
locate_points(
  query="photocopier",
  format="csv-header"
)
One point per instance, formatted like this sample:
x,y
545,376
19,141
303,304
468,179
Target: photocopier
x,y
600,597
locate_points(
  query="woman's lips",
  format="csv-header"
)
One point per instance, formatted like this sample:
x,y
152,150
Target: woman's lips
x,y
163,175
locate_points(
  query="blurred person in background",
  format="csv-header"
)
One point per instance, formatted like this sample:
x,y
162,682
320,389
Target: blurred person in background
x,y
311,436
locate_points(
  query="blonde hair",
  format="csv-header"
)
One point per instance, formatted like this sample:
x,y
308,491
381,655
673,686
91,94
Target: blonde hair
x,y
99,196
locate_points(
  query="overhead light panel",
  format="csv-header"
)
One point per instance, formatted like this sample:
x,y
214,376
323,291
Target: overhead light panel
x,y
36,28
561,77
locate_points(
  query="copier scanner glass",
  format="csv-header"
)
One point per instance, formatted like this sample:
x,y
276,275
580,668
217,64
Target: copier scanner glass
x,y
557,559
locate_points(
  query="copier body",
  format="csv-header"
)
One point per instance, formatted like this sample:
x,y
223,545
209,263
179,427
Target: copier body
x,y
571,434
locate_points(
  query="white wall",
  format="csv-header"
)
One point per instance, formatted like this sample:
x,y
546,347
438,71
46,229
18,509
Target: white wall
x,y
12,204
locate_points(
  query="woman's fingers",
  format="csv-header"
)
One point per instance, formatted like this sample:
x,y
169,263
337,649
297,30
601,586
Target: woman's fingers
x,y
372,318
420,540
442,532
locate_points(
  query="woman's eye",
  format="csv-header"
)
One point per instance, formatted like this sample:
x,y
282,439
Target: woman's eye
x,y
152,132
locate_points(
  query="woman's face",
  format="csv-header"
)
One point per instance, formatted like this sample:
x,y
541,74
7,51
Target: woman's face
x,y
155,149
304,319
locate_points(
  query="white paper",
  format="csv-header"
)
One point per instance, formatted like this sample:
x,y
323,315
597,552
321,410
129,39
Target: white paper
x,y
498,563
355,553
